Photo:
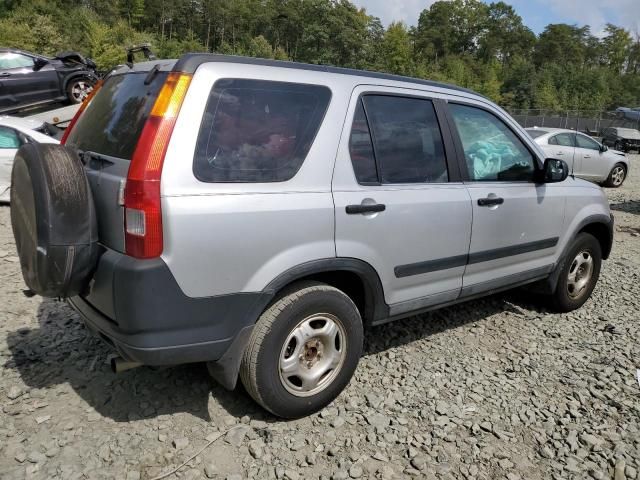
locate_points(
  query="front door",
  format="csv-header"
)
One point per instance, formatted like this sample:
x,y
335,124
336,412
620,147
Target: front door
x,y
21,84
399,203
589,155
516,222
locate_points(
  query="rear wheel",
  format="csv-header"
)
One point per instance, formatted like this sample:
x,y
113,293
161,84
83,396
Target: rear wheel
x,y
579,274
616,176
303,350
78,89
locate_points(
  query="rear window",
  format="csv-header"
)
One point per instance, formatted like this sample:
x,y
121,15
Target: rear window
x,y
113,121
258,131
536,133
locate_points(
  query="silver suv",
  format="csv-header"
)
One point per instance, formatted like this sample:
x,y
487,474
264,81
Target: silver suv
x,y
259,215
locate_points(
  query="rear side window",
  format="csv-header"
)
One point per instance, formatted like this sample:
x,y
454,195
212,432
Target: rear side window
x,y
406,141
113,121
258,131
9,138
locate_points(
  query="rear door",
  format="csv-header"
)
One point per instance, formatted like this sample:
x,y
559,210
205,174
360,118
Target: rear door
x,y
516,222
106,135
399,203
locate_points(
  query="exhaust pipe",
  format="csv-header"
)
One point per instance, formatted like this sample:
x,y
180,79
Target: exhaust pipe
x,y
119,365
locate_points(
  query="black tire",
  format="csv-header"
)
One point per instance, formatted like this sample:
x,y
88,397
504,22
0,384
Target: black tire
x,y
53,220
260,367
613,180
78,89
562,299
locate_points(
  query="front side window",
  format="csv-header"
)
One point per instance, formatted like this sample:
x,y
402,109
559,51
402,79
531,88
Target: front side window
x,y
10,60
492,151
583,141
563,140
405,138
9,138
258,131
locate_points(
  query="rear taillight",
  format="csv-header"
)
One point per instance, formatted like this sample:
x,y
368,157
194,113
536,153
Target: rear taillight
x,y
143,214
82,108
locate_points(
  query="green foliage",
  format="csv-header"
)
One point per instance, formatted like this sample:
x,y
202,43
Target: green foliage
x,y
480,45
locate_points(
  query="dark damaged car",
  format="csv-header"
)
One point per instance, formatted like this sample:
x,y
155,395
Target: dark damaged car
x,y
30,80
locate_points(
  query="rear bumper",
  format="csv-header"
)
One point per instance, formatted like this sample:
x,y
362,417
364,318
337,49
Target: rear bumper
x,y
138,307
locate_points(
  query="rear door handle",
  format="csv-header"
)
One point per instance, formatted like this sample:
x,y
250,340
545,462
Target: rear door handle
x,y
489,201
560,153
372,208
587,156
5,74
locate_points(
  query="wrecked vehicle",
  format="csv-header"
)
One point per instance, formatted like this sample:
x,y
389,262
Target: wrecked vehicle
x,y
29,80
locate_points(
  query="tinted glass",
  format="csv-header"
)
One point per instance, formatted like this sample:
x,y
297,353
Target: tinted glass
x,y
361,148
492,151
536,133
258,131
407,140
14,60
113,120
585,142
563,140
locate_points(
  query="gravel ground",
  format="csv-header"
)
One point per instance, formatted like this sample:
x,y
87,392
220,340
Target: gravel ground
x,y
496,388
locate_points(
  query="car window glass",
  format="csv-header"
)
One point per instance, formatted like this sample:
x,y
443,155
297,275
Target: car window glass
x,y
536,133
492,151
14,60
258,131
562,139
585,142
407,141
9,138
361,148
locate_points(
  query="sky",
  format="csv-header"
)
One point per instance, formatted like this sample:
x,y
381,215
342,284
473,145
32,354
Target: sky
x,y
536,14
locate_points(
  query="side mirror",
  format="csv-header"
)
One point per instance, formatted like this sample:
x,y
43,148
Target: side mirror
x,y
554,171
603,148
38,63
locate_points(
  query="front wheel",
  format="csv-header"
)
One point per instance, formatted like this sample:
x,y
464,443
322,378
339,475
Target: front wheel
x,y
616,176
303,350
78,89
579,274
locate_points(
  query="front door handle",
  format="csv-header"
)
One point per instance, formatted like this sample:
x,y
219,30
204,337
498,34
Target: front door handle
x,y
489,201
5,74
587,156
366,208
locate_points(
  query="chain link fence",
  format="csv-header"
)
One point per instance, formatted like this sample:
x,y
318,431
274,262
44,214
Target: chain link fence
x,y
592,122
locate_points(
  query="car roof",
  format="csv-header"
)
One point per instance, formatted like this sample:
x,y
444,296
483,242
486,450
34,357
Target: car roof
x,y
22,123
190,62
553,130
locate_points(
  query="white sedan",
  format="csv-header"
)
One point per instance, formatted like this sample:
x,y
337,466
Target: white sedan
x,y
15,132
586,158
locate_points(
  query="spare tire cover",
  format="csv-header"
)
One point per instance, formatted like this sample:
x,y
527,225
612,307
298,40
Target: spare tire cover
x,y
53,220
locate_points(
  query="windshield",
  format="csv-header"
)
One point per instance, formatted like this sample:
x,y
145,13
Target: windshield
x,y
535,133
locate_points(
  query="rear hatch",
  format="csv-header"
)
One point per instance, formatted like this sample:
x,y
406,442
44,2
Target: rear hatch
x,y
106,135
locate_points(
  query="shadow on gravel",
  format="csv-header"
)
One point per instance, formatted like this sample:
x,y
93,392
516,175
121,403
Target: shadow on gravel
x,y
632,206
63,351
402,332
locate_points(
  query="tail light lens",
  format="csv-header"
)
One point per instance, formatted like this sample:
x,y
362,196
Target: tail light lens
x,y
82,108
143,214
